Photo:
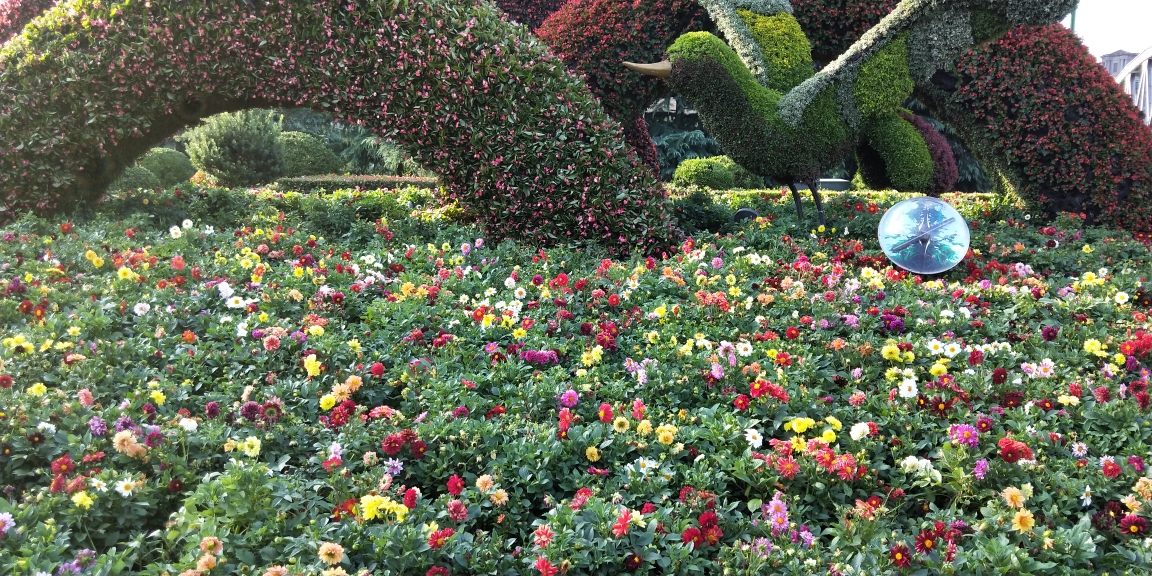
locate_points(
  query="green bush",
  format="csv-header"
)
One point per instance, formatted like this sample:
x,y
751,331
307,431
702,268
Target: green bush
x,y
697,212
715,172
238,149
170,166
306,155
741,177
135,178
707,172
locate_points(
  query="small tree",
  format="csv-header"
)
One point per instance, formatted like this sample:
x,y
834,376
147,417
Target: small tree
x,y
238,149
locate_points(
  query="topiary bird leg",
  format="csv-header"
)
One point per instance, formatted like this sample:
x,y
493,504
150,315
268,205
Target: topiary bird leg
x,y
814,186
798,201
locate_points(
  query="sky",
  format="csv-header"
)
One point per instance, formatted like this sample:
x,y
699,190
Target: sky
x,y
1106,26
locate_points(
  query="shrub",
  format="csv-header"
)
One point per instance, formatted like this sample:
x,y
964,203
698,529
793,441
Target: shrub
x,y
14,15
170,166
741,177
698,212
306,155
136,178
676,147
238,148
707,172
833,25
530,13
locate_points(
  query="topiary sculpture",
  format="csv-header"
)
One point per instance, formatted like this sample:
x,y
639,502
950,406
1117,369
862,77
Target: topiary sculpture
x,y
761,101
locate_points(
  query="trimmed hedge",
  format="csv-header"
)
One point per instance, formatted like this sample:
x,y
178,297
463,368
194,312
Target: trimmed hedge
x,y
306,155
523,145
136,178
170,166
361,181
716,172
707,172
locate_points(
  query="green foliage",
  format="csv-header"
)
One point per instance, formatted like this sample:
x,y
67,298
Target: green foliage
x,y
170,166
707,172
136,178
987,25
238,148
741,176
884,82
676,147
367,153
306,155
698,212
787,54
907,162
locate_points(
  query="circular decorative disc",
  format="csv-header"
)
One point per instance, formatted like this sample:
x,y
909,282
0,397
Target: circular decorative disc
x,y
924,235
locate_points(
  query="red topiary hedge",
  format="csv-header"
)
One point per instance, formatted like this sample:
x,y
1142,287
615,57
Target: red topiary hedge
x,y
530,13
522,144
15,14
594,36
833,25
1059,126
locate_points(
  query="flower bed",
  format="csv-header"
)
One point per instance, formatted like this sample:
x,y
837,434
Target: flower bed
x,y
215,382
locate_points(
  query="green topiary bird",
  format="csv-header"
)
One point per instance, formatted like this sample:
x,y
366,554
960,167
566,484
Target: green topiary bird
x,y
761,100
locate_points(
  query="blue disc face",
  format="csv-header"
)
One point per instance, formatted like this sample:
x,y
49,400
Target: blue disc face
x,y
924,235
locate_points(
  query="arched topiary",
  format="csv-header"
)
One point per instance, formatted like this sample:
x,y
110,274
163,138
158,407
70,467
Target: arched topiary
x,y
306,155
170,166
522,144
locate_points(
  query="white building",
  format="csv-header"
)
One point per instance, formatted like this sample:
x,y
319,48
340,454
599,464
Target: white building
x,y
1116,61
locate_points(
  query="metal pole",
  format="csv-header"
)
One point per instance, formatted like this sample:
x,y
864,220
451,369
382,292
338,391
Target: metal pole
x,y
1073,19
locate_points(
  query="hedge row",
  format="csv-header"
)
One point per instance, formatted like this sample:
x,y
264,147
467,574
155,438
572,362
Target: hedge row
x,y
353,181
524,146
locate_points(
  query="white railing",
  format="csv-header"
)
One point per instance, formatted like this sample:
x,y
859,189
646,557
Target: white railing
x,y
1137,83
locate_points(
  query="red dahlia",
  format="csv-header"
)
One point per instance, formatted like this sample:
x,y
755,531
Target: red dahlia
x,y
899,555
926,541
1133,525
